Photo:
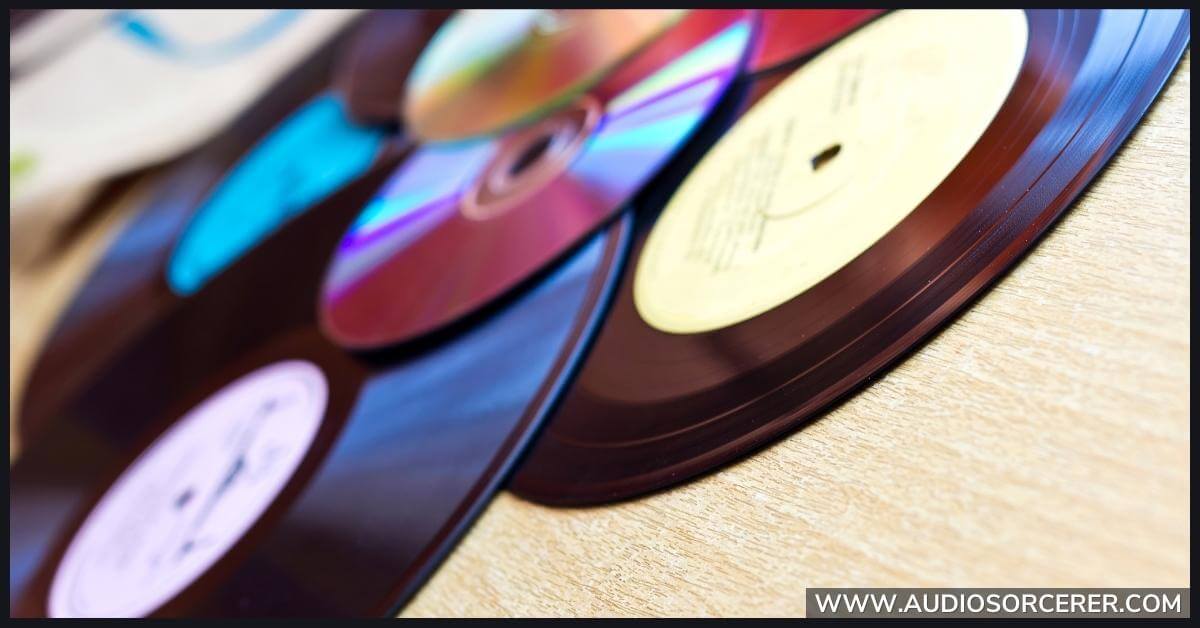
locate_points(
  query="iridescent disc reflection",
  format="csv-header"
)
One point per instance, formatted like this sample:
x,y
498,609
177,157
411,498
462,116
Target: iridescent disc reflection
x,y
460,224
486,70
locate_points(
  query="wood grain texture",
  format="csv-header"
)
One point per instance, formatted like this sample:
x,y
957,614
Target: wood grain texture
x,y
1040,440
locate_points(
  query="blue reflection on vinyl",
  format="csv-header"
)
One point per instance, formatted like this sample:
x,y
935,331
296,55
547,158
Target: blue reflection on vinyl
x,y
425,430
310,155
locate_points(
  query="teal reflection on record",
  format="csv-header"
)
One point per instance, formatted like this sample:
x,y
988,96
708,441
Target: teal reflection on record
x,y
311,154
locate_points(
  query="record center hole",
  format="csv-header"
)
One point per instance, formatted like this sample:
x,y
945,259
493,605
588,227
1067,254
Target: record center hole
x,y
825,156
532,153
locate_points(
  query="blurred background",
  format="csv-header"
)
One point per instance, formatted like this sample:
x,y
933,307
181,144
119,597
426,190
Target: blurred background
x,y
104,105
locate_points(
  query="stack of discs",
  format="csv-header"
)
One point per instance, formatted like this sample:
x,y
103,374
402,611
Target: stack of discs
x,y
849,207
233,454
669,236
463,223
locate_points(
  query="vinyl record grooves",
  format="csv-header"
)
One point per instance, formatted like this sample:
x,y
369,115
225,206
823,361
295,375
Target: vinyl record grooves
x,y
340,482
716,345
304,368
461,224
197,223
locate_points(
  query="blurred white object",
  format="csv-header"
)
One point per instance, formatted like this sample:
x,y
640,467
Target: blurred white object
x,y
49,33
96,94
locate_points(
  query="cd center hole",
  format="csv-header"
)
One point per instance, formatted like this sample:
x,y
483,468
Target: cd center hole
x,y
532,153
825,156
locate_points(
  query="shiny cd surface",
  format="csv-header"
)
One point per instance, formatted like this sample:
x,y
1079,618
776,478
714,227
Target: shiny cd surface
x,y
845,210
488,70
461,224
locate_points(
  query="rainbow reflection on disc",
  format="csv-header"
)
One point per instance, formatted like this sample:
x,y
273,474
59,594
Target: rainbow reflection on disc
x,y
488,70
459,225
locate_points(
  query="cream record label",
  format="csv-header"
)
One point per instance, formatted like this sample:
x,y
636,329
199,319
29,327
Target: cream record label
x,y
827,164
830,217
191,495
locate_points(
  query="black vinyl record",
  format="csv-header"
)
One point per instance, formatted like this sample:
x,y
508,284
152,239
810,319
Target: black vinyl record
x,y
234,462
657,403
296,145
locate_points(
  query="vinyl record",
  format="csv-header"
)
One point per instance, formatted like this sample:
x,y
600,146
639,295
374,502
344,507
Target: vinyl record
x,y
489,70
851,207
788,35
234,462
461,224
286,153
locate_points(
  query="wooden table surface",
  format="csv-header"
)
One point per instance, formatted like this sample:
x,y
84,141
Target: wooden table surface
x,y
1042,439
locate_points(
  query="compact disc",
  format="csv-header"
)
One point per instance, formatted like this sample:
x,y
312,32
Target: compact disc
x,y
488,70
289,151
852,206
788,35
461,224
243,465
